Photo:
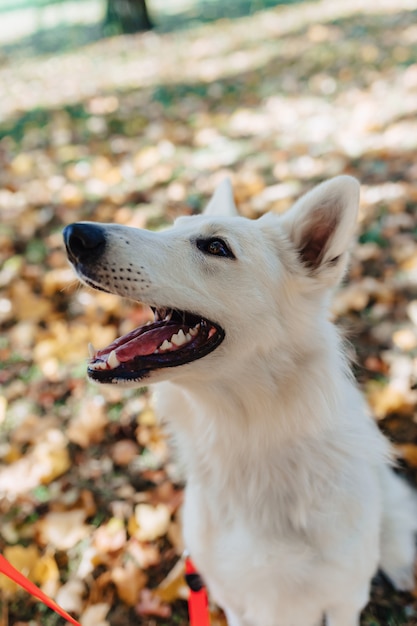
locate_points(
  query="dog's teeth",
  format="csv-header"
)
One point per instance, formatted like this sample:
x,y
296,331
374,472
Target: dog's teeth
x,y
194,331
113,361
91,351
179,339
168,316
188,337
166,345
98,365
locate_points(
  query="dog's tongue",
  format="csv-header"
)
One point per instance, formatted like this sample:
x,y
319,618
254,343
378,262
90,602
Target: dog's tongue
x,y
142,341
139,342
143,345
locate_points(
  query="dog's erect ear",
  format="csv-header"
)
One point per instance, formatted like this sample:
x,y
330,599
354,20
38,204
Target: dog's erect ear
x,y
222,201
322,223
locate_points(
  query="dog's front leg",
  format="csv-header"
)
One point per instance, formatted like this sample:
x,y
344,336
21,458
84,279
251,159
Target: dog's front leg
x,y
347,614
234,620
343,616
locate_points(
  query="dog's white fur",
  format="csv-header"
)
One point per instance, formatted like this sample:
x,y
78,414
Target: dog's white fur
x,y
290,502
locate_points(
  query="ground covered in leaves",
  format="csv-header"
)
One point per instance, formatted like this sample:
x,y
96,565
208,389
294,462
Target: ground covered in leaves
x,y
138,130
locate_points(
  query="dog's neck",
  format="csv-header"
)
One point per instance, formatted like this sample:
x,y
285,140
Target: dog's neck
x,y
248,436
266,396
220,420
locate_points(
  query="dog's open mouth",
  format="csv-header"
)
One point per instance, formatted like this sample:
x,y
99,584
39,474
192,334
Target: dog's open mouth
x,y
174,338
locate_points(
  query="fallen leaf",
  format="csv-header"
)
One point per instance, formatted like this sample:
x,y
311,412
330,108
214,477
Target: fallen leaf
x,y
124,451
129,581
24,559
149,522
88,426
405,339
70,596
407,451
386,400
47,460
150,604
27,305
95,615
174,587
110,537
63,529
46,574
144,554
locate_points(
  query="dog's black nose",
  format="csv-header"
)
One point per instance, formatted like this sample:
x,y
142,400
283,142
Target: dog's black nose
x,y
84,241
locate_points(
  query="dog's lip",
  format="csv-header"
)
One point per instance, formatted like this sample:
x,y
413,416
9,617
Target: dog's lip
x,y
135,355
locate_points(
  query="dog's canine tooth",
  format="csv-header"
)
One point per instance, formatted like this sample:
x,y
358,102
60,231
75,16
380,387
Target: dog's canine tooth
x,y
188,337
166,345
194,331
179,339
91,351
113,361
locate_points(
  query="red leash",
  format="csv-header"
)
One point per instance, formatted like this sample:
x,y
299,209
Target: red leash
x,y
197,602
11,572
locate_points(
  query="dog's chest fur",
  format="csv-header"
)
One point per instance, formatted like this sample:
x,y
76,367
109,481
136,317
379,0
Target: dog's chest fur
x,y
257,501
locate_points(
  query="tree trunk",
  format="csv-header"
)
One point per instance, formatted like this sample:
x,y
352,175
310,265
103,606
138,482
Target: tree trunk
x,y
127,16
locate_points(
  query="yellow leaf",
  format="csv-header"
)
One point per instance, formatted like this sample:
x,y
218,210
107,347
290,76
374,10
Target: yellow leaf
x,y
27,305
408,451
405,339
56,280
386,400
152,521
217,618
56,463
24,560
147,417
46,574
132,526
173,587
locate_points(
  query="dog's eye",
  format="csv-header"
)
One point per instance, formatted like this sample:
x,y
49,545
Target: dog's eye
x,y
215,247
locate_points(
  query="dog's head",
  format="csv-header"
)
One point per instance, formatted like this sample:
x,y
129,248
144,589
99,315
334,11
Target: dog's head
x,y
218,284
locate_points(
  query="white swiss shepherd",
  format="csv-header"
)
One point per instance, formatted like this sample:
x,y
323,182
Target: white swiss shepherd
x,y
290,503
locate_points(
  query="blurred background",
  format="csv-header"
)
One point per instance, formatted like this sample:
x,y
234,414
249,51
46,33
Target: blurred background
x,y
117,110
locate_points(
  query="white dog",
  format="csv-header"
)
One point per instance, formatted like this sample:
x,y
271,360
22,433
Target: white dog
x,y
290,503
